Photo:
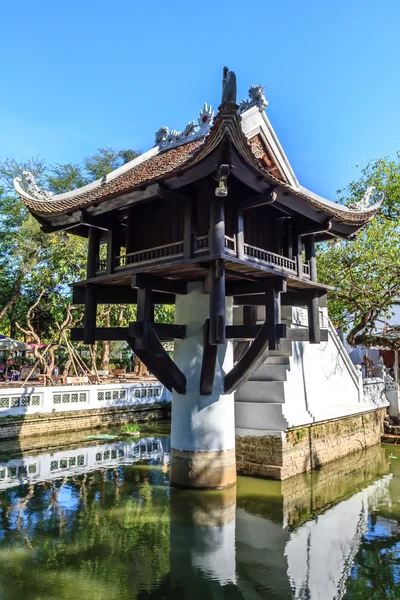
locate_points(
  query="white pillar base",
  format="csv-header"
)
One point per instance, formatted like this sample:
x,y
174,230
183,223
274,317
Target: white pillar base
x,y
203,427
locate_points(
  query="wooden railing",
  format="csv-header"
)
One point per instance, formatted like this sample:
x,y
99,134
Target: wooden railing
x,y
175,250
255,254
201,244
306,269
101,265
230,245
159,252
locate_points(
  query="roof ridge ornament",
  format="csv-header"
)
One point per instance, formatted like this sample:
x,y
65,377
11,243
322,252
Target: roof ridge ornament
x,y
192,131
32,187
228,87
365,201
256,98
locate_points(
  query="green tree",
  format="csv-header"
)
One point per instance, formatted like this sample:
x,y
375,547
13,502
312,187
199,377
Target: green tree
x,y
365,272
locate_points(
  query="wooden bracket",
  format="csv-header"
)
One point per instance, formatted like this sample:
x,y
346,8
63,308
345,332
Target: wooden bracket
x,y
209,363
250,361
158,361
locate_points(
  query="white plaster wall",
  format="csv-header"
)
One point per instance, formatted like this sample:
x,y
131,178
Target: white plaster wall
x,y
319,382
122,394
201,423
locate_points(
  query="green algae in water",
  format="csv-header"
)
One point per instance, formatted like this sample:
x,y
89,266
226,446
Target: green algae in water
x,y
110,527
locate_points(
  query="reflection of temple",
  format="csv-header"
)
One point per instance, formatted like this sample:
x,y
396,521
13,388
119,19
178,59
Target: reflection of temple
x,y
75,461
293,541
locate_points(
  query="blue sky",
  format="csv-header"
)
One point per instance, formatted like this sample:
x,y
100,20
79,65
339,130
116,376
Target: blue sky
x,y
82,74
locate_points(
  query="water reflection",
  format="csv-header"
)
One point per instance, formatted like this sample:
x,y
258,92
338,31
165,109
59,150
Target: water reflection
x,y
98,520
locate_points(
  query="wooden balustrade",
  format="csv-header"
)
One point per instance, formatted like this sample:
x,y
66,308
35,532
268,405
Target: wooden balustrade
x,y
254,254
175,250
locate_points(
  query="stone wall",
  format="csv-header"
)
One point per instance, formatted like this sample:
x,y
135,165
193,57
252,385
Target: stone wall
x,y
302,449
73,421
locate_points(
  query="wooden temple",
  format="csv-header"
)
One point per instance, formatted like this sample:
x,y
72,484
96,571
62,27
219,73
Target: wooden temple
x,y
217,203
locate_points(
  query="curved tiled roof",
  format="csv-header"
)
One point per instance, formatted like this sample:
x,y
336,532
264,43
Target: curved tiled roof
x,y
159,164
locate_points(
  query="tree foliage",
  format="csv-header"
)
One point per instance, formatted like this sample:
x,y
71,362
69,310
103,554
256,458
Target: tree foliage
x,y
365,272
33,263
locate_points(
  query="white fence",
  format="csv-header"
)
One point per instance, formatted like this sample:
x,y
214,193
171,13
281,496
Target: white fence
x,y
70,462
30,400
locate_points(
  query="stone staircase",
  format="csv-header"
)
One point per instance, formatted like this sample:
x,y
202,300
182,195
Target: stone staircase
x,y
299,384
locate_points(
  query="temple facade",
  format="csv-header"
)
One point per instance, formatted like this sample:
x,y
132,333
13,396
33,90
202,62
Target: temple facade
x,y
213,220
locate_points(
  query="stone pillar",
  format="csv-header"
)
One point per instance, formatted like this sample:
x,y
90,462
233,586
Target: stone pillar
x,y
203,427
202,545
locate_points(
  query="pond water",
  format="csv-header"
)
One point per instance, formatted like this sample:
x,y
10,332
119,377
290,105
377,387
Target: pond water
x,y
97,520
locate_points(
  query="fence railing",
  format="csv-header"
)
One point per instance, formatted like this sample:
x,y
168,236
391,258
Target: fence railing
x,y
157,253
101,265
230,245
201,245
255,254
306,269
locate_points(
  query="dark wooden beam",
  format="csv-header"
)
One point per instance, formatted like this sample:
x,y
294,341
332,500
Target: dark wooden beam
x,y
298,252
170,196
238,288
217,302
309,244
157,360
250,332
165,332
249,318
299,298
273,314
259,200
250,361
240,234
241,276
113,247
118,294
209,362
216,235
46,228
145,311
315,230
169,286
89,327
189,229
130,230
313,319
93,253
104,222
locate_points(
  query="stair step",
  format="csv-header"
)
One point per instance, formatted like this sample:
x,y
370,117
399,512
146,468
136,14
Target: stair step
x,y
261,391
277,360
270,373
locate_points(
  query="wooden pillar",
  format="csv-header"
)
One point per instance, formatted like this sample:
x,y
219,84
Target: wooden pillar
x,y
240,235
217,226
309,243
249,315
249,318
273,311
287,239
113,247
298,252
217,302
130,235
93,252
145,310
313,318
89,325
217,271
189,230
